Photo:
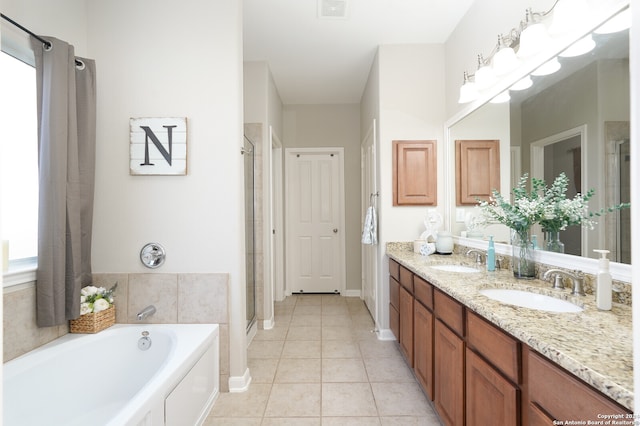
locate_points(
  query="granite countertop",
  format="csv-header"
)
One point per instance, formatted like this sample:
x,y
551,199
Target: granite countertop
x,y
594,345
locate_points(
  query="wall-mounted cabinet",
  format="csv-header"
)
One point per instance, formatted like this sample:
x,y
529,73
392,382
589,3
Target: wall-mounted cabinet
x,y
477,170
414,173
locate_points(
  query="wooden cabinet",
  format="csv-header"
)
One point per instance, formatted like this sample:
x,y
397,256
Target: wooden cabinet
x,y
414,173
556,394
448,374
394,306
490,398
406,325
477,170
423,346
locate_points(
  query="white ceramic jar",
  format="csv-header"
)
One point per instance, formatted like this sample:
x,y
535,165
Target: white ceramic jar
x,y
444,243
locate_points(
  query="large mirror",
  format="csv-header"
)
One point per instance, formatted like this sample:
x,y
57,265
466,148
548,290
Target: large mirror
x,y
575,121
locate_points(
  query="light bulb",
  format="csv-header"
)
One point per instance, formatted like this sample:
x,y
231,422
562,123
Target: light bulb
x,y
533,38
547,68
468,91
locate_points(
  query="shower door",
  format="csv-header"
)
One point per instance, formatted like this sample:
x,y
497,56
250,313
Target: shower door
x,y
248,150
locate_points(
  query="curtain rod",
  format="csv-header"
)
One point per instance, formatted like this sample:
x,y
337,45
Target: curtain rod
x,y
46,43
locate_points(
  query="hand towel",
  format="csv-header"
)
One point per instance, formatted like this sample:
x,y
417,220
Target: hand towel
x,y
370,231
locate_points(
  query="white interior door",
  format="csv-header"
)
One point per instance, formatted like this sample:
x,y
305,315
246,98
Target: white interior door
x,y
314,221
369,197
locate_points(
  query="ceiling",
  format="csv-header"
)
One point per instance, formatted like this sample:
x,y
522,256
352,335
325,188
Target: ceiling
x,y
327,60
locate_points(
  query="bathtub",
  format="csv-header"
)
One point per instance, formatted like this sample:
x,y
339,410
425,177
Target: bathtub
x,y
105,379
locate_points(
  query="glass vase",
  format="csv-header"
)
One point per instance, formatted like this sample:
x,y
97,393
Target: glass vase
x,y
552,242
522,261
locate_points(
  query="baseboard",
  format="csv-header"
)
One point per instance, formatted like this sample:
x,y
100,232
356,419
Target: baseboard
x,y
385,334
239,384
352,293
268,323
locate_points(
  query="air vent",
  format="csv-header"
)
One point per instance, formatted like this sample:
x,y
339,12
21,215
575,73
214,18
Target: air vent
x,y
332,9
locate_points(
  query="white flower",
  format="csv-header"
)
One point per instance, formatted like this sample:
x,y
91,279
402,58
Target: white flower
x,y
83,299
100,305
85,308
89,290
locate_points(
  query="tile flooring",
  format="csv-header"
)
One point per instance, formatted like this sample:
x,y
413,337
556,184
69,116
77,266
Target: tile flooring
x,y
321,364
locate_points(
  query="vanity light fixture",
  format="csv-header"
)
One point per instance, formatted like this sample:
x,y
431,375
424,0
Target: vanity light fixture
x,y
501,98
523,84
468,91
484,76
620,22
505,59
547,68
580,47
534,36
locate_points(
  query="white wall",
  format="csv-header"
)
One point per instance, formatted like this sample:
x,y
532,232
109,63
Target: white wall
x,y
162,58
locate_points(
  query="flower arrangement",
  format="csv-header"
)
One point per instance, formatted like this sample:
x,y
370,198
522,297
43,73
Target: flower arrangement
x,y
95,299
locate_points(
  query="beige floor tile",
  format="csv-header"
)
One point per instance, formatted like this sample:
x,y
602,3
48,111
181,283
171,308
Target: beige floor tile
x,y
388,370
365,334
400,399
362,320
342,370
300,320
262,370
347,399
336,333
307,310
303,333
294,400
411,421
276,333
231,421
292,421
350,421
301,349
251,403
378,349
265,349
340,349
309,300
333,299
298,370
336,320
335,310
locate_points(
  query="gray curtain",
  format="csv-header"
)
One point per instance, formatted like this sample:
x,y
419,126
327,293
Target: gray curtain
x,y
66,144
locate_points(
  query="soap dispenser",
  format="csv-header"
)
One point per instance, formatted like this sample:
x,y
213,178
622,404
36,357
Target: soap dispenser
x,y
491,255
603,282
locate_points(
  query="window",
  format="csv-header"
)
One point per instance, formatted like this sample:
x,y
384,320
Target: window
x,y
18,162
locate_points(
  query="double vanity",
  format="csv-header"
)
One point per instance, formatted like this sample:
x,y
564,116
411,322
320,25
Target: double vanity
x,y
491,349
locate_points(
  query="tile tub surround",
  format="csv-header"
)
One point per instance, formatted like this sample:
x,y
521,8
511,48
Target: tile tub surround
x,y
594,345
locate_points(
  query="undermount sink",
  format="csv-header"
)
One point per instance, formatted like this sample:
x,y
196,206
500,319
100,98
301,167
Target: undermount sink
x,y
455,268
530,300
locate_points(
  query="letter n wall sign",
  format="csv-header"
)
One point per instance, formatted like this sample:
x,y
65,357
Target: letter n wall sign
x,y
158,146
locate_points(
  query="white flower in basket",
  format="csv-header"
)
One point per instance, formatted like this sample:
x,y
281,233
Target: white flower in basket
x,y
95,299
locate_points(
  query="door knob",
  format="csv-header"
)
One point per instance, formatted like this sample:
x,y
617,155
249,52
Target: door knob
x,y
335,230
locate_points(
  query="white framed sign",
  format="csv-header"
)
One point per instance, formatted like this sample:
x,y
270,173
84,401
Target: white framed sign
x,y
158,146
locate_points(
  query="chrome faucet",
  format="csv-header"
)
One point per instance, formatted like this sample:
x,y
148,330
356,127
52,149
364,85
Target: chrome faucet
x,y
479,254
577,278
146,312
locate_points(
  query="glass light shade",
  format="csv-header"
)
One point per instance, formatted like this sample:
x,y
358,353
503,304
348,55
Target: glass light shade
x,y
533,39
620,22
504,60
547,68
580,47
468,93
567,14
484,77
501,98
523,84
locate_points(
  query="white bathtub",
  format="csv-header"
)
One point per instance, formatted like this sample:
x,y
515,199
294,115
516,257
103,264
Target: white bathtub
x,y
104,379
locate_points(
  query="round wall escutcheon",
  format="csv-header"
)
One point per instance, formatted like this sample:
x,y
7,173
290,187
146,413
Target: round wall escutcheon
x,y
152,255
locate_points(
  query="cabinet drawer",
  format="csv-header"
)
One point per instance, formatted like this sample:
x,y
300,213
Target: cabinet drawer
x,y
502,350
394,269
394,293
564,396
449,311
406,279
423,291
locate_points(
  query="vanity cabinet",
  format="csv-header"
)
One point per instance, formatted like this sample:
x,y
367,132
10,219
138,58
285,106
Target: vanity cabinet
x,y
394,298
423,319
406,314
448,369
555,394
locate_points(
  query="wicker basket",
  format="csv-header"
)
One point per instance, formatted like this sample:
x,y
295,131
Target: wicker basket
x,y
93,322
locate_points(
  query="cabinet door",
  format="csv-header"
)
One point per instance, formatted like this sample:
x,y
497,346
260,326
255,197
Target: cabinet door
x,y
394,321
477,170
406,325
490,399
423,347
538,418
448,375
414,173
